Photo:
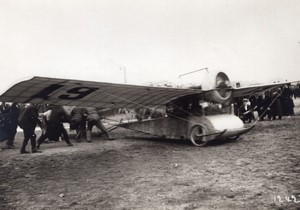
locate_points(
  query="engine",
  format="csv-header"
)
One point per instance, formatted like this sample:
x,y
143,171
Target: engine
x,y
217,88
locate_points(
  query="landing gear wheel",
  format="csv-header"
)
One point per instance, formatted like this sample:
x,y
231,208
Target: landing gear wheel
x,y
198,135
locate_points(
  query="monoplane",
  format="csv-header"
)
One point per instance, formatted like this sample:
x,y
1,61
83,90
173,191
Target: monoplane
x,y
199,113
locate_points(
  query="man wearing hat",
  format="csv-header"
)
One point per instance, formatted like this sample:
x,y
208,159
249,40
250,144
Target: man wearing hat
x,y
245,112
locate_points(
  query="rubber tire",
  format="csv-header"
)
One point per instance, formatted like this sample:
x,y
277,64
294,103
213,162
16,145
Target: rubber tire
x,y
196,130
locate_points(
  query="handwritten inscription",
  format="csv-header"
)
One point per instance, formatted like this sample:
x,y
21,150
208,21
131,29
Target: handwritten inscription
x,y
289,199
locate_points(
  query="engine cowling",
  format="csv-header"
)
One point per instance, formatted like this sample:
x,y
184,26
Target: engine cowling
x,y
217,88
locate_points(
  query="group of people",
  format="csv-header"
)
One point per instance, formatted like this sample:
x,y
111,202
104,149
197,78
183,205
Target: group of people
x,y
84,119
51,123
271,104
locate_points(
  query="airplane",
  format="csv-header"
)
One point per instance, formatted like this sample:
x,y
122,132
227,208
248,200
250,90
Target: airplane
x,y
198,113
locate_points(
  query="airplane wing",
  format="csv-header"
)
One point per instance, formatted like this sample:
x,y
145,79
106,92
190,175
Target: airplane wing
x,y
41,90
256,89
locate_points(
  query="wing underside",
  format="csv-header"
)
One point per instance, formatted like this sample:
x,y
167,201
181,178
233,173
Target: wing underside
x,y
41,90
257,89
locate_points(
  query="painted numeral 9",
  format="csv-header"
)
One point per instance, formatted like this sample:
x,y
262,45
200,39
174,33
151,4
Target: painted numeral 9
x,y
77,93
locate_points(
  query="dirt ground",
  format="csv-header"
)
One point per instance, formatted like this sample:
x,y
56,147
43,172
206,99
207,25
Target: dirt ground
x,y
131,172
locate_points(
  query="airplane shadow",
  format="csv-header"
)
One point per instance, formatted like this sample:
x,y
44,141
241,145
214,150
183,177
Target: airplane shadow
x,y
181,142
161,140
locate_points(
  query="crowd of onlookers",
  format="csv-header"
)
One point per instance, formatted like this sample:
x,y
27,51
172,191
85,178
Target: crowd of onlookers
x,y
271,105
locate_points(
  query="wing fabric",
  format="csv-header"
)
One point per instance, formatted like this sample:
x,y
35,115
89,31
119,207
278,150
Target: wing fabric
x,y
257,89
42,90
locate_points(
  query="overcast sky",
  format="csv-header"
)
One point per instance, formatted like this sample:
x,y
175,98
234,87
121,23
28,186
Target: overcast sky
x,y
153,39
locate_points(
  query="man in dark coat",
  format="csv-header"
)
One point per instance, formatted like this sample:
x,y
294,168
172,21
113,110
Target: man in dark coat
x,y
276,108
11,125
3,123
54,125
264,105
28,120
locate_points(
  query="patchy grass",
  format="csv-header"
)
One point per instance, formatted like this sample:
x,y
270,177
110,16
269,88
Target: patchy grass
x,y
132,173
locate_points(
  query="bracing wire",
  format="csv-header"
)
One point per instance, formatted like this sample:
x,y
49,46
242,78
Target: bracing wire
x,y
145,106
265,111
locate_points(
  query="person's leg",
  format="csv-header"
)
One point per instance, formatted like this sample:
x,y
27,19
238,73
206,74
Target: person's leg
x,y
78,134
103,129
80,130
89,131
25,141
64,134
42,138
11,136
252,116
249,117
269,114
33,143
